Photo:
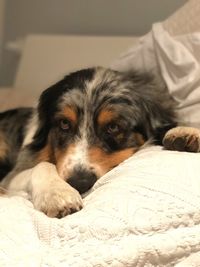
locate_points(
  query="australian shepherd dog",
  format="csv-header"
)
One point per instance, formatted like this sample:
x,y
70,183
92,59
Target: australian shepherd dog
x,y
83,126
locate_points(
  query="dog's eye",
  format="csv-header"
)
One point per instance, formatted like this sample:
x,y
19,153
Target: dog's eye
x,y
113,128
65,124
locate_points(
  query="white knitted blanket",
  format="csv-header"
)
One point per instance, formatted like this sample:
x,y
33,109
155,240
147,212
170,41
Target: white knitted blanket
x,y
146,212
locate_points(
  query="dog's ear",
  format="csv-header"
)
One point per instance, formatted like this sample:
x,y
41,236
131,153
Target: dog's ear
x,y
156,105
159,118
45,109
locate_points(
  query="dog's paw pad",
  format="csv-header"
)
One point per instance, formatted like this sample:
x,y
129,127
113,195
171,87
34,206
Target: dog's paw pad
x,y
182,139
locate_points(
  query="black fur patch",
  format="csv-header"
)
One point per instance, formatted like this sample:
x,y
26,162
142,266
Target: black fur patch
x,y
12,124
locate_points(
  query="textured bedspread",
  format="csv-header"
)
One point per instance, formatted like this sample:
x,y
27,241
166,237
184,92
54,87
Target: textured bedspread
x,y
146,212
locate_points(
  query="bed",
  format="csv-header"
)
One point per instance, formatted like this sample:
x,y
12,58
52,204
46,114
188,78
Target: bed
x,y
145,212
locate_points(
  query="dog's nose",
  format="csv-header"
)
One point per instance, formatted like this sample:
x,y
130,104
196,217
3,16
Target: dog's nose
x,y
82,180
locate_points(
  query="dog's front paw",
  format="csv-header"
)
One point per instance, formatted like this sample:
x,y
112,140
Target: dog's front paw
x,y
182,139
59,200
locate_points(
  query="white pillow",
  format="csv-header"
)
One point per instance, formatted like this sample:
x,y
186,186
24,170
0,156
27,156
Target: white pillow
x,y
177,60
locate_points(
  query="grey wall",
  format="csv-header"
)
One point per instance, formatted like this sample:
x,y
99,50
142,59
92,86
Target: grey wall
x,y
92,17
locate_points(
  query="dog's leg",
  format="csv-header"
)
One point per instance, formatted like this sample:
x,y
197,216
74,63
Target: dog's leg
x,y
182,139
48,192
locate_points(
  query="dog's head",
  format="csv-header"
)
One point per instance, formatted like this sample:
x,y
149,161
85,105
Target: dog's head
x,y
96,118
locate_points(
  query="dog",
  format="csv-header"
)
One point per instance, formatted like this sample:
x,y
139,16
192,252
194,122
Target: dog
x,y
84,126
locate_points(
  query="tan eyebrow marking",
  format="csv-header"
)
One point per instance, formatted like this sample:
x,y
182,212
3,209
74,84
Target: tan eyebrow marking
x,y
69,113
106,116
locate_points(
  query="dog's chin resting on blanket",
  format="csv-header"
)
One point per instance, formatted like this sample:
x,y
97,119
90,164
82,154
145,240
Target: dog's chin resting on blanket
x,y
84,125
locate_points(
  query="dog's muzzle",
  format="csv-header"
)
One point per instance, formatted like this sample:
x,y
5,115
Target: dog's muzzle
x,y
82,180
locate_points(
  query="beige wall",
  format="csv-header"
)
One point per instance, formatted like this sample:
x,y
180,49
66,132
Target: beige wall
x,y
91,17
2,13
